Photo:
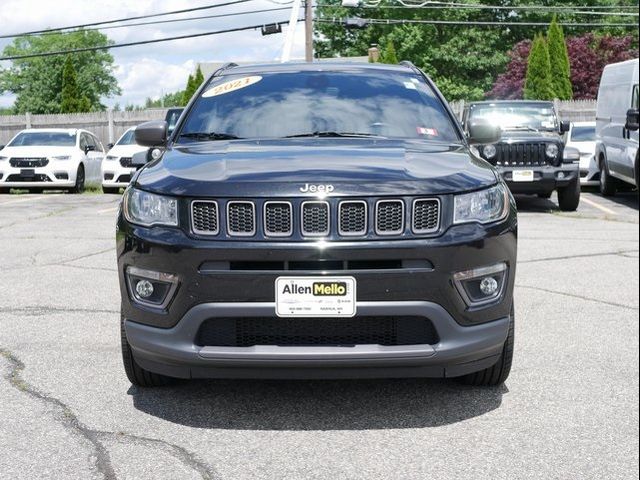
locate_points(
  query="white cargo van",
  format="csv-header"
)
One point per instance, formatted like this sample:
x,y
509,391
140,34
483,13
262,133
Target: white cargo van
x,y
617,126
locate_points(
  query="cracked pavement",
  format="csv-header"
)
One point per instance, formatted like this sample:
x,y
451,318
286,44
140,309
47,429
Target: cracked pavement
x,y
569,409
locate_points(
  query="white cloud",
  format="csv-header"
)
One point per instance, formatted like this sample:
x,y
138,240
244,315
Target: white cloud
x,y
147,70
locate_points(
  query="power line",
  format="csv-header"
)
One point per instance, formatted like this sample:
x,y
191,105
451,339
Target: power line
x,y
561,10
131,44
388,21
430,3
173,20
118,20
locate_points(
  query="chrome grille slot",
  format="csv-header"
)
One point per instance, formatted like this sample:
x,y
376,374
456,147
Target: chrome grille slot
x,y
352,218
278,219
241,218
426,215
389,217
204,217
315,219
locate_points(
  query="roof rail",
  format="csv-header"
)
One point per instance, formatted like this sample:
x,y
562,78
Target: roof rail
x,y
408,64
224,67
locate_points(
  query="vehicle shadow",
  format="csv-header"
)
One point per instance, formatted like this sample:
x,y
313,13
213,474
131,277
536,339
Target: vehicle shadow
x,y
317,405
533,203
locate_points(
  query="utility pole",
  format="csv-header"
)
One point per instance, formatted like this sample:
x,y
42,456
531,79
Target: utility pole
x,y
308,25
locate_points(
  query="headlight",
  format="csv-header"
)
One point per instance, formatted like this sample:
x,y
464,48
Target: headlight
x,y
552,150
484,206
61,157
489,151
144,208
111,157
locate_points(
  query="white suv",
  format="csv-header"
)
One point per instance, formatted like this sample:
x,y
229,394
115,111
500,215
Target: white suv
x,y
55,158
116,168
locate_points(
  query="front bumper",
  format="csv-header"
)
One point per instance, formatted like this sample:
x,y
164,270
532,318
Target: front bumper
x,y
460,350
52,176
545,179
116,176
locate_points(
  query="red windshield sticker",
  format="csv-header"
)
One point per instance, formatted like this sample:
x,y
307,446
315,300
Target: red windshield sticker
x,y
431,132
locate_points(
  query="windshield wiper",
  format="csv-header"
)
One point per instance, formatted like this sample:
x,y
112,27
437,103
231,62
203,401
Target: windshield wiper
x,y
329,134
523,127
209,136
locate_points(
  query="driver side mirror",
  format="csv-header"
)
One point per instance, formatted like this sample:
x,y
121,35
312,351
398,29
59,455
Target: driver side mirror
x,y
633,120
565,126
89,148
152,134
109,146
482,132
1,147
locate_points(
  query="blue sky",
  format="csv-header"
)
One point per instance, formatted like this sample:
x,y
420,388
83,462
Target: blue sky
x,y
148,70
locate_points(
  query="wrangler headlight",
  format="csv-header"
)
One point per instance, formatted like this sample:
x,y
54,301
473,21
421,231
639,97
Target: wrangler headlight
x,y
144,208
484,206
489,151
552,150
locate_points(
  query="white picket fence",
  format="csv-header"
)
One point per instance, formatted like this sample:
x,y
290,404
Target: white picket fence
x,y
109,125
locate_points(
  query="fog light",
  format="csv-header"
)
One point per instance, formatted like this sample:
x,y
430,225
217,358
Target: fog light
x,y
144,288
489,286
481,286
153,289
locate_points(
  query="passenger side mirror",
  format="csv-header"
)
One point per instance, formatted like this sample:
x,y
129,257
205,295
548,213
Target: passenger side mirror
x,y
89,148
483,132
152,134
1,147
109,146
633,120
565,126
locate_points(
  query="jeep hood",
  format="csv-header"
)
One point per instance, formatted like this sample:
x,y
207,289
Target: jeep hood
x,y
354,167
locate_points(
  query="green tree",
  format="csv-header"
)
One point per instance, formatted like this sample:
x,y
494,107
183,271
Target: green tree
x,y
198,77
37,82
538,84
389,54
559,58
193,83
71,100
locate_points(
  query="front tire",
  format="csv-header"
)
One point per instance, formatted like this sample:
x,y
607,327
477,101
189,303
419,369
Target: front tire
x,y
498,373
569,197
80,178
607,182
137,375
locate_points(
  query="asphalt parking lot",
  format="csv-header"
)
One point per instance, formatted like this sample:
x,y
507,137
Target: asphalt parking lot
x,y
569,409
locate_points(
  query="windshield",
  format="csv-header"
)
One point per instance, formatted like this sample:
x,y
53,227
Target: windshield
x,y
129,138
583,134
517,116
287,104
48,139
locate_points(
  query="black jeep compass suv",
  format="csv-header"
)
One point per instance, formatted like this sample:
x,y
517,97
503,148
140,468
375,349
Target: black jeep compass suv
x,y
317,221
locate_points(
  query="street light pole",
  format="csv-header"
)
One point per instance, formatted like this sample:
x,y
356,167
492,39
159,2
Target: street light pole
x,y
308,25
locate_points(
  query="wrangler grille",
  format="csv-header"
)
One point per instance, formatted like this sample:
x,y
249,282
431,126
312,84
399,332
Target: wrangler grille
x,y
315,218
426,216
523,155
241,218
204,218
278,219
389,217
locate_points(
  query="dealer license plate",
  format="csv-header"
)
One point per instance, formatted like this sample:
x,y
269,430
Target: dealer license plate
x,y
315,296
523,175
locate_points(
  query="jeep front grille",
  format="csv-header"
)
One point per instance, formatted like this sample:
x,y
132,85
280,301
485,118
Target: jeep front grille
x,y
523,155
389,217
249,332
278,219
241,218
426,215
315,219
204,218
352,218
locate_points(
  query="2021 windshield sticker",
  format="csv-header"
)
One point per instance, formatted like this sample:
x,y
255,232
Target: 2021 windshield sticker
x,y
231,86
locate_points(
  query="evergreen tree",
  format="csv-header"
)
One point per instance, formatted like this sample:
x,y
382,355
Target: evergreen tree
x,y
559,58
389,55
70,95
188,91
538,84
198,78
